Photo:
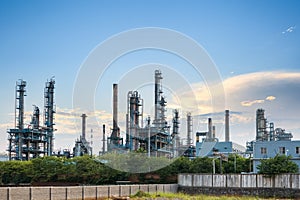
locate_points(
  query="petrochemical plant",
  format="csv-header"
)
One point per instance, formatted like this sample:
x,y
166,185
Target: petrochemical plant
x,y
156,137
35,140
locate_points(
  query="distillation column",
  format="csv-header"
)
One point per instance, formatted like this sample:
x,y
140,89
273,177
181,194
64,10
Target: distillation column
x,y
36,143
15,138
158,104
35,120
175,133
49,114
134,102
261,125
189,128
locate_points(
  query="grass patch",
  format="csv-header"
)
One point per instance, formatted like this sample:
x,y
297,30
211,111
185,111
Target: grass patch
x,y
140,195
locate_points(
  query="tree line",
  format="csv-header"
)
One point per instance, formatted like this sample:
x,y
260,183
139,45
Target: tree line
x,y
91,171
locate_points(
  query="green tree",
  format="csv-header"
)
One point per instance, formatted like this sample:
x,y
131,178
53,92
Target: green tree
x,y
46,169
236,164
15,172
201,165
88,170
277,165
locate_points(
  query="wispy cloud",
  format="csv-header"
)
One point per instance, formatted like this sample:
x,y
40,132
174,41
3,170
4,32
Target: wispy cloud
x,y
289,30
250,103
257,101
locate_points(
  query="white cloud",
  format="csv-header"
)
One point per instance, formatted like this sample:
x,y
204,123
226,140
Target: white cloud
x,y
270,98
257,101
250,103
289,30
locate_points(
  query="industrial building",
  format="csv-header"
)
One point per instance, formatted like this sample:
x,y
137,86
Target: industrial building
x,y
32,140
211,146
271,141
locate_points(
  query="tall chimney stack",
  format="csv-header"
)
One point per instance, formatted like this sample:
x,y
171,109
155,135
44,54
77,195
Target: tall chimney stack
x,y
103,139
209,128
83,125
214,132
226,125
115,108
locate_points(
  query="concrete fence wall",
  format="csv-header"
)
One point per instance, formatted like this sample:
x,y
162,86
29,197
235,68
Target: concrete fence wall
x,y
240,180
80,192
282,186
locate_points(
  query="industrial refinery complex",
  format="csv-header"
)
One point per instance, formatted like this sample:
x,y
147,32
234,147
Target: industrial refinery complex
x,y
157,137
35,140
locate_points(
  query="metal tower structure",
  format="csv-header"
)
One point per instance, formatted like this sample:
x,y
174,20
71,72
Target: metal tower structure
x,y
30,141
175,123
261,125
35,120
15,135
159,102
189,128
154,137
19,110
82,146
49,114
175,132
134,115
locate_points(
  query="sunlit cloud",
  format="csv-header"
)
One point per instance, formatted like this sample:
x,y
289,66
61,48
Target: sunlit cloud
x,y
270,98
250,103
257,101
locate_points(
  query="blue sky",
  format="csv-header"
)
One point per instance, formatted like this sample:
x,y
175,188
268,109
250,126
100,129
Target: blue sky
x,y
247,40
